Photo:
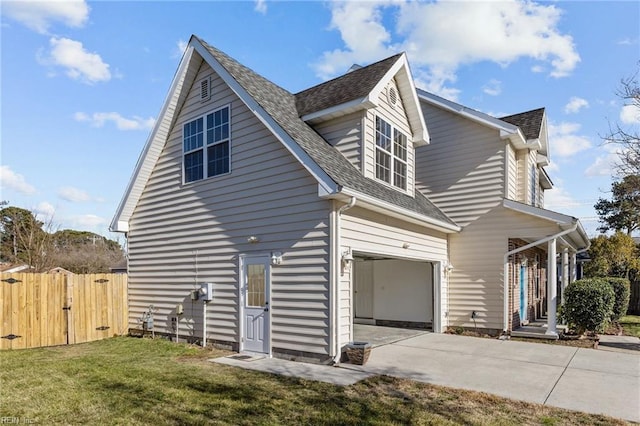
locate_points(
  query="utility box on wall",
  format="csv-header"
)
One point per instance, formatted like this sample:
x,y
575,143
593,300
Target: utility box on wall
x,y
206,291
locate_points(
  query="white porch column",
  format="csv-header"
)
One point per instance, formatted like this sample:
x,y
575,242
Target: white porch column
x,y
574,270
552,273
565,271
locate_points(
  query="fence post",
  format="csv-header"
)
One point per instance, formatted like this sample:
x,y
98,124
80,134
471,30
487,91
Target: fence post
x,y
69,308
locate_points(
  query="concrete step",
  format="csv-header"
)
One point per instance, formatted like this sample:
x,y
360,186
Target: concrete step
x,y
533,333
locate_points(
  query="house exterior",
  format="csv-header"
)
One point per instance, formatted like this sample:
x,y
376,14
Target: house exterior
x,y
271,222
488,175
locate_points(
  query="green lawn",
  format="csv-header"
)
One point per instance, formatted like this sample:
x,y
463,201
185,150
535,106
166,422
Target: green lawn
x,y
631,325
132,381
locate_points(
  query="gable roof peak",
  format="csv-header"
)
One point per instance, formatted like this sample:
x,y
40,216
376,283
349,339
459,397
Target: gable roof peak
x,y
530,122
357,83
276,108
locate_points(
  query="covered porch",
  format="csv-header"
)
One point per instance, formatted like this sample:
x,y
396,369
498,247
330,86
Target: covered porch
x,y
538,270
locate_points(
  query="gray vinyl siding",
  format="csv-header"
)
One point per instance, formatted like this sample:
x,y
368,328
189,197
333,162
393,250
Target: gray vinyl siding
x,y
395,116
369,232
462,169
475,283
184,234
345,133
463,172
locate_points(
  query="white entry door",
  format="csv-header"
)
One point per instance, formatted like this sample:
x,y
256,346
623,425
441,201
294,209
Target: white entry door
x,y
256,283
363,289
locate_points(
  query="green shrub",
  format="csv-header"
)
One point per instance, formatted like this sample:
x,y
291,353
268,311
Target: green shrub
x,y
588,305
622,290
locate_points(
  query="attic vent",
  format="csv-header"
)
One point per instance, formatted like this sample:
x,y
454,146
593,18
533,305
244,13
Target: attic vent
x,y
205,89
392,96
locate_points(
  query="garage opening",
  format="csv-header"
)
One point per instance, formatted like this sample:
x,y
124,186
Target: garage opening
x,y
392,292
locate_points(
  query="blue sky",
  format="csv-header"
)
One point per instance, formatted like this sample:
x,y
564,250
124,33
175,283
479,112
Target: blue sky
x,y
82,82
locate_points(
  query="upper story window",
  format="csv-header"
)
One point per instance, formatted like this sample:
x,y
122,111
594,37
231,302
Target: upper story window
x,y
534,186
203,160
391,154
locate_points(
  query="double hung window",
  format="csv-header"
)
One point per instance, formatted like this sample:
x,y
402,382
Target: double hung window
x,y
391,154
207,146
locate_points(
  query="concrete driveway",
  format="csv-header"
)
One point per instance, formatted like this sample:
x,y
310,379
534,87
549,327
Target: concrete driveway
x,y
588,380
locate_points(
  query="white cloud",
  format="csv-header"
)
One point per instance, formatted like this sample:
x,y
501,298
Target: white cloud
x,y
98,119
493,87
40,15
181,46
442,36
14,181
537,69
552,167
89,221
261,6
45,209
564,141
575,104
72,194
606,163
630,114
361,29
558,198
601,166
80,64
627,41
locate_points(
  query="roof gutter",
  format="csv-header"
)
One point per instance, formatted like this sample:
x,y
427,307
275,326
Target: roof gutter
x,y
505,280
507,130
395,211
345,108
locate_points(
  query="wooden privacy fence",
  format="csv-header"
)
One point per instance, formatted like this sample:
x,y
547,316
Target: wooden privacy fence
x,y
58,309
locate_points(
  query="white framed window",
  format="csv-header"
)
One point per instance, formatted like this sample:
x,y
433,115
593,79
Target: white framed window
x,y
391,155
206,144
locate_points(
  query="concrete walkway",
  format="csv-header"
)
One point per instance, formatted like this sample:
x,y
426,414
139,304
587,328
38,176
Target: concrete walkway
x,y
587,380
303,370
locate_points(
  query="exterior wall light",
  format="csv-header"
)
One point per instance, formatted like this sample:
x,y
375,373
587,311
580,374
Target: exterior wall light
x,y
347,259
253,239
276,258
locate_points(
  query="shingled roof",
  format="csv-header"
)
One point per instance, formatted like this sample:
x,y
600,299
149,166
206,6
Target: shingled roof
x,y
530,122
353,85
281,105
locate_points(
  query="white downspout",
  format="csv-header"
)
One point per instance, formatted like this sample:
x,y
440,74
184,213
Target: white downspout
x,y
336,260
505,278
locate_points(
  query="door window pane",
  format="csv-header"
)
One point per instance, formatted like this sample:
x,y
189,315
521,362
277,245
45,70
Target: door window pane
x,y
256,285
